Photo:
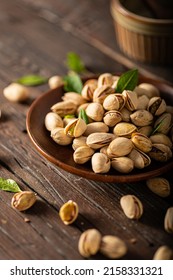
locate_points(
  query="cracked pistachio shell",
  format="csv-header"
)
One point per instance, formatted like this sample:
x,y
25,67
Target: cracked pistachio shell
x,y
75,128
100,163
78,142
141,142
124,129
139,158
122,164
111,118
60,137
83,154
163,253
111,102
156,106
98,140
64,108
95,111
160,138
74,97
159,186
89,242
69,212
163,123
131,206
168,221
131,99
16,92
119,147
143,101
101,93
149,89
105,79
96,127
23,200
141,118
88,91
66,121
53,120
160,152
113,247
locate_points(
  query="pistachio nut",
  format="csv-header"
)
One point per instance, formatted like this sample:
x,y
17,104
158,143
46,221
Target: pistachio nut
x,y
160,138
16,92
168,221
69,212
143,101
131,206
163,123
125,114
149,89
113,247
96,127
100,163
55,81
146,130
105,79
124,129
74,97
160,152
104,149
91,82
64,108
89,242
95,111
111,102
53,120
83,154
101,93
78,142
122,164
60,137
75,128
23,200
141,118
156,106
111,118
88,91
140,159
131,98
97,140
159,186
119,147
163,253
141,142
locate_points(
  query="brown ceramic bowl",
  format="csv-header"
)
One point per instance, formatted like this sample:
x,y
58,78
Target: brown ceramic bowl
x,y
142,38
62,156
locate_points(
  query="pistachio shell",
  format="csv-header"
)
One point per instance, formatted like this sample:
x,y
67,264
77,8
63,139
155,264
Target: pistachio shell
x,y
69,212
95,111
141,142
113,247
75,128
96,127
16,92
124,129
131,99
78,142
74,97
125,114
88,91
98,140
111,102
149,89
139,158
119,147
55,81
146,130
132,206
89,242
23,200
101,93
143,101
111,118
64,108
141,118
159,186
60,137
156,106
100,163
168,221
163,123
122,164
160,152
83,154
105,79
163,253
160,138
53,120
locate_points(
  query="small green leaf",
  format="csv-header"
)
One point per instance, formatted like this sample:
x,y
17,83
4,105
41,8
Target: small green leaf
x,y
157,127
75,63
82,115
128,81
32,80
73,83
9,185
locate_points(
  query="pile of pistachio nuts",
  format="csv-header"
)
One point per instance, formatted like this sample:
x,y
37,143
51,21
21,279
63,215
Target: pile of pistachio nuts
x,y
125,131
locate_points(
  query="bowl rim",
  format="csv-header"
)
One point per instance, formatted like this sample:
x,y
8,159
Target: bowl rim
x,y
117,5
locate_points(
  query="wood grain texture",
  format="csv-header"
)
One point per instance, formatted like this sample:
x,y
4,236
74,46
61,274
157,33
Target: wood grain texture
x,y
34,38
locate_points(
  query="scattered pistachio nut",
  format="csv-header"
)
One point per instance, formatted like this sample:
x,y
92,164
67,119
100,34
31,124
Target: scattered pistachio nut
x,y
113,247
53,120
69,212
16,92
163,253
168,221
55,81
89,242
132,206
23,200
159,186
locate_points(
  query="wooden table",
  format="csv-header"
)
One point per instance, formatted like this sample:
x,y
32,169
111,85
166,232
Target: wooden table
x,y
35,37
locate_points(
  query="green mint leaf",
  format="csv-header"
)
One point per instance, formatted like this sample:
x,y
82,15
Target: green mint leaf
x,y
75,63
32,80
82,115
73,83
9,185
128,81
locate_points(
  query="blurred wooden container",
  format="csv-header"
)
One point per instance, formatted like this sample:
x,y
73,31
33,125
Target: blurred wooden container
x,y
142,38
